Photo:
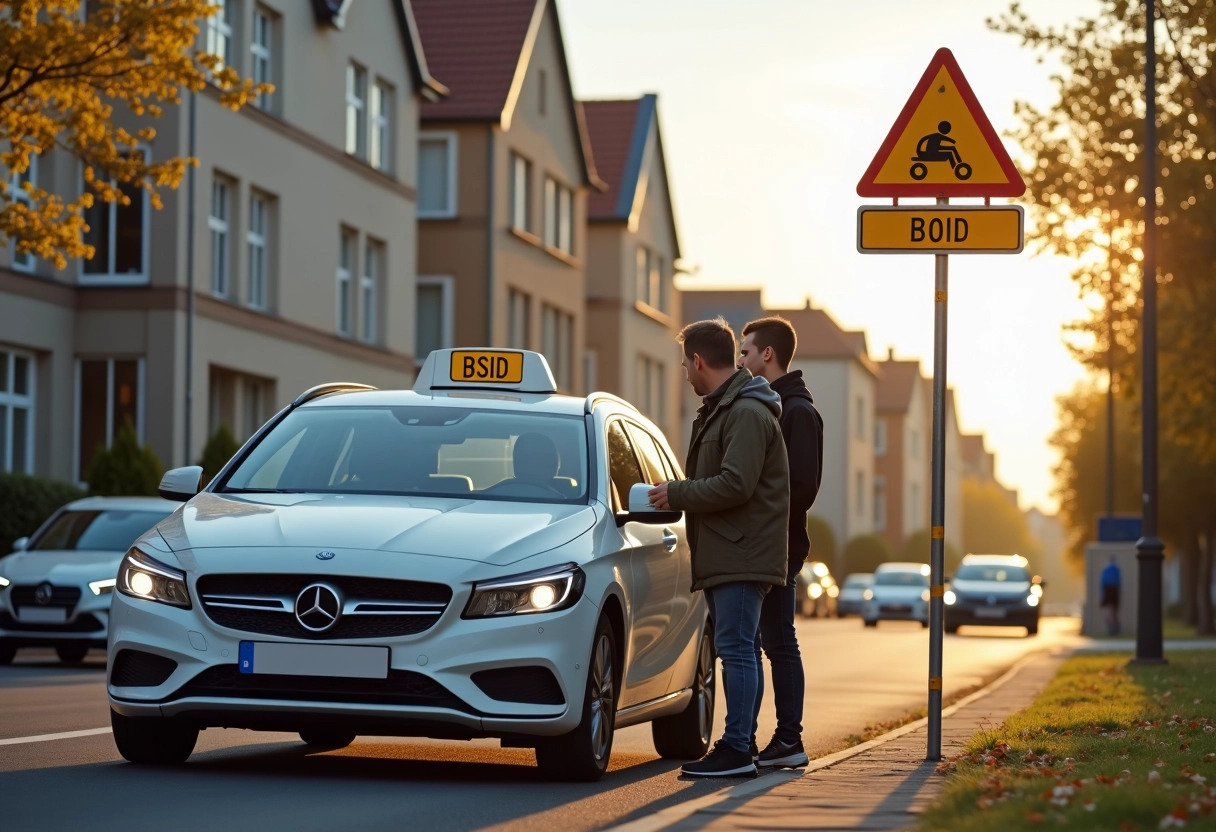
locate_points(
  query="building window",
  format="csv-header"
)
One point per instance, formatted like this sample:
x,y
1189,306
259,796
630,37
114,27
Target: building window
x,y
880,437
346,264
23,261
356,111
240,401
369,290
559,205
436,175
380,150
118,235
519,320
221,267
256,239
434,315
880,504
110,393
861,492
557,344
651,389
261,48
649,279
861,417
16,412
521,202
219,32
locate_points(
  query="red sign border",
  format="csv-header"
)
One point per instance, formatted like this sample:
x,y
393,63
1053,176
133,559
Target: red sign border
x,y
1015,186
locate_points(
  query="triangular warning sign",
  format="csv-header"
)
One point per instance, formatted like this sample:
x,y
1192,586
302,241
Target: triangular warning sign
x,y
942,144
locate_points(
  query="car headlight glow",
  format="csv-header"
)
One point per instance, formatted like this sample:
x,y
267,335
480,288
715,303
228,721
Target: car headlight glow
x,y
102,587
924,596
1036,590
868,595
814,590
140,576
949,597
546,590
4,582
1032,600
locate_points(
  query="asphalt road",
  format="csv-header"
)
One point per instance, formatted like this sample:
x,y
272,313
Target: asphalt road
x,y
241,780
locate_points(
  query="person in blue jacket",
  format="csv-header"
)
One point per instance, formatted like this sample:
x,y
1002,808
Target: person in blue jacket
x,y
1108,587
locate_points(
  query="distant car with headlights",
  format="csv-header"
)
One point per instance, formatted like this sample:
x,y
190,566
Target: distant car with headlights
x,y
852,593
900,593
995,591
816,590
55,589
475,557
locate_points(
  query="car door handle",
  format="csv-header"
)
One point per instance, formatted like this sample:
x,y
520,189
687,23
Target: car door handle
x,y
670,541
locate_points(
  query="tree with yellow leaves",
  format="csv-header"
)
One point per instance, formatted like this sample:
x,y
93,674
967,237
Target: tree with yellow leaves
x,y
64,69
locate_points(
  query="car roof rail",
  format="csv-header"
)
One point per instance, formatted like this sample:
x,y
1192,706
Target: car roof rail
x,y
595,398
330,387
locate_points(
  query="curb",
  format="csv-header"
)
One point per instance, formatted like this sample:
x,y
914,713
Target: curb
x,y
766,782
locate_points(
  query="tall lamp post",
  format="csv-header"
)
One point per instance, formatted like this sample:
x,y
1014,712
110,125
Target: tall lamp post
x,y
1150,551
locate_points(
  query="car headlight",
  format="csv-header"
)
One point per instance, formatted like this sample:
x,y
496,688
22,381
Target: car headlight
x,y
4,582
103,587
142,577
868,595
949,597
545,590
924,596
814,590
1037,590
1032,600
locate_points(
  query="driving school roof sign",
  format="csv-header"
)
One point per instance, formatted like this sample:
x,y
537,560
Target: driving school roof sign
x,y
942,144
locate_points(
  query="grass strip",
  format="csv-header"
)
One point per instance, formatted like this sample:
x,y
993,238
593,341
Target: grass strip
x,y
1107,746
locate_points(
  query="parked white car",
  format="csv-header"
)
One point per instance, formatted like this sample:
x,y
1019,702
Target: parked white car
x,y
475,557
900,593
55,589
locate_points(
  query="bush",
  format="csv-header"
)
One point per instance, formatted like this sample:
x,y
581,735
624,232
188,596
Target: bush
x,y
28,501
220,448
864,552
823,541
918,548
126,468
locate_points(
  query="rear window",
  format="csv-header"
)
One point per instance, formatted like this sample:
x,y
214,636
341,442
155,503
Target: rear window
x,y
420,451
900,578
99,530
991,572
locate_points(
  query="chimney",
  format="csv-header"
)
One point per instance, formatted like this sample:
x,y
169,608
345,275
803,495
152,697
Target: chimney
x,y
890,353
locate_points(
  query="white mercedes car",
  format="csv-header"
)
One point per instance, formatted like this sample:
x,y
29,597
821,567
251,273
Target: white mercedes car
x,y
475,557
55,589
900,592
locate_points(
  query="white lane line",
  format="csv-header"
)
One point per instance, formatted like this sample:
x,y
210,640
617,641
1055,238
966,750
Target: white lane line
x,y
65,735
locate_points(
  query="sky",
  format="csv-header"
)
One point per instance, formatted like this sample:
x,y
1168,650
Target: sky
x,y
771,111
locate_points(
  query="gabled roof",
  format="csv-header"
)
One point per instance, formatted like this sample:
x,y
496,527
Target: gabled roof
x,y
620,133
480,49
333,13
896,385
820,337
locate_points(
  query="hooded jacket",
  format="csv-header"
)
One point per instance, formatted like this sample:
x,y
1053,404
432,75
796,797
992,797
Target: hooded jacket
x,y
802,429
737,492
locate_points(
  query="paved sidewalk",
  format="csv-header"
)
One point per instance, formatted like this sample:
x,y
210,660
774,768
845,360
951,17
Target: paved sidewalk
x,y
878,785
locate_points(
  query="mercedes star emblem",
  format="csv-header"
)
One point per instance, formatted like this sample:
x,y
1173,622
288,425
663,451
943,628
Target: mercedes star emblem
x,y
318,607
325,555
44,593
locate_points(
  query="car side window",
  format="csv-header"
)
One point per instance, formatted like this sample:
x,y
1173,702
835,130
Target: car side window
x,y
658,470
623,468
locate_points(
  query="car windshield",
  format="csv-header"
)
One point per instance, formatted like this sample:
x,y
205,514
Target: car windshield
x,y
420,451
858,580
991,572
900,578
100,530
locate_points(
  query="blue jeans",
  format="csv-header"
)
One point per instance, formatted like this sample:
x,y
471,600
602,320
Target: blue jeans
x,y
780,642
735,609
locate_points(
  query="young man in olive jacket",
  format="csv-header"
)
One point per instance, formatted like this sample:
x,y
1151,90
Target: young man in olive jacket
x,y
768,347
736,499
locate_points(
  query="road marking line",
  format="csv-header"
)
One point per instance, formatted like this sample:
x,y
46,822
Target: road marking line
x,y
65,735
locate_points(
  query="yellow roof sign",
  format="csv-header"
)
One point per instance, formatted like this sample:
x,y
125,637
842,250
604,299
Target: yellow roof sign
x,y
942,144
522,371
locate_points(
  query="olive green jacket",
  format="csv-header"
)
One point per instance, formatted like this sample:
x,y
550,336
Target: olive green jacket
x,y
737,493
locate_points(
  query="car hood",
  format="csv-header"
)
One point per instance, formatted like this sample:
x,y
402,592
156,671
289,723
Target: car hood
x,y
60,566
486,531
1001,589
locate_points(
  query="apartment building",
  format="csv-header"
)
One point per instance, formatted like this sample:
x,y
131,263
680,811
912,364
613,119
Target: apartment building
x,y
903,418
505,168
633,307
290,261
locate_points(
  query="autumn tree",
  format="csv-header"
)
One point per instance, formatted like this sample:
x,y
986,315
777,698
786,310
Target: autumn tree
x,y
66,77
993,523
1087,159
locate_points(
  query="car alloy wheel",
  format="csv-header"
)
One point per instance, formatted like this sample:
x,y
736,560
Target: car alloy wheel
x,y
582,755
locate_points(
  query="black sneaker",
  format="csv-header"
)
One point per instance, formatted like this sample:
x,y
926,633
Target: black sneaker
x,y
778,754
755,752
723,761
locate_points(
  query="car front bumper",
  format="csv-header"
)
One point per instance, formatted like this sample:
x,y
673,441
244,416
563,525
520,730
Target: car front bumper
x,y
958,615
84,623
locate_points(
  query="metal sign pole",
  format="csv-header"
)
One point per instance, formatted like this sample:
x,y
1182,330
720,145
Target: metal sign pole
x,y
937,519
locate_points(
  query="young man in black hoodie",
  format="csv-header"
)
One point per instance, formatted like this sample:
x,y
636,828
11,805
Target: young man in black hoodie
x,y
767,349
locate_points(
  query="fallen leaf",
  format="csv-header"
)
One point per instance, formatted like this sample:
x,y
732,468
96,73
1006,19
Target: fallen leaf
x,y
1209,758
1154,777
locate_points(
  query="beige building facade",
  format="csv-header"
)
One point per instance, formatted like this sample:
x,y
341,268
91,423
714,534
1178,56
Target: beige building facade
x,y
304,248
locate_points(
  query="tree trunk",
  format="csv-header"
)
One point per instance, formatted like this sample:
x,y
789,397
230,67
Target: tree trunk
x,y
1188,581
1203,587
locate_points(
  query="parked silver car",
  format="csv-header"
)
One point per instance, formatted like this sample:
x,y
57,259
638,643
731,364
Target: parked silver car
x,y
852,593
900,593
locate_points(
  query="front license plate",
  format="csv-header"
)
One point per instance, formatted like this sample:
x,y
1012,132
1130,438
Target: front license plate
x,y
42,615
496,367
343,660
989,612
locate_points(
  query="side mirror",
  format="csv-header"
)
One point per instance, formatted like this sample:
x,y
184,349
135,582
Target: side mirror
x,y
180,483
641,511
20,543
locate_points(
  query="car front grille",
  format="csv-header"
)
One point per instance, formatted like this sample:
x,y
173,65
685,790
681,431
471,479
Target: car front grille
x,y
402,687
372,607
999,601
24,595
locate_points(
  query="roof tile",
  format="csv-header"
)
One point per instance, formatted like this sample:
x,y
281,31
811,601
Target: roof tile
x,y
611,126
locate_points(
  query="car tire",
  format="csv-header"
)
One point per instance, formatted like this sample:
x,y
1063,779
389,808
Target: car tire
x,y
327,739
582,755
951,628
71,655
924,625
153,740
686,735
869,622
1032,629
7,654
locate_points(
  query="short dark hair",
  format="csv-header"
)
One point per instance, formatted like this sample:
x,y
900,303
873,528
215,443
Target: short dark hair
x,y
776,332
713,340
